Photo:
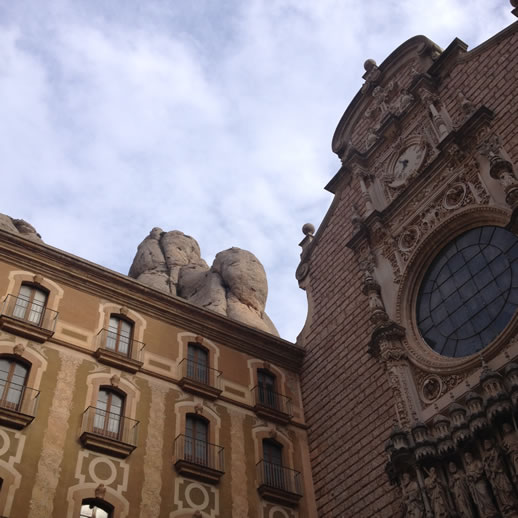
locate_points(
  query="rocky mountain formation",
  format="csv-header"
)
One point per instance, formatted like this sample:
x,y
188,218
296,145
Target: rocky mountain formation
x,y
235,285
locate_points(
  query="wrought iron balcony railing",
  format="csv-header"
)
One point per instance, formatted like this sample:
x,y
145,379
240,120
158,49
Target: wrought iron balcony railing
x,y
30,312
18,404
110,426
200,373
120,345
278,477
201,453
265,397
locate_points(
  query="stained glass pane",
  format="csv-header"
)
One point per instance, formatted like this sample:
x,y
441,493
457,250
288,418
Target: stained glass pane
x,y
470,292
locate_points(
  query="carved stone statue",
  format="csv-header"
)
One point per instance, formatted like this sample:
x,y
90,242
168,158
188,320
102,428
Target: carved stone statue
x,y
479,488
496,473
460,490
412,497
510,445
372,137
405,99
437,493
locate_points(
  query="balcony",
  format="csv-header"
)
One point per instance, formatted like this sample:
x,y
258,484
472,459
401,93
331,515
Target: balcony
x,y
272,405
18,404
108,433
28,319
199,379
279,484
198,459
118,350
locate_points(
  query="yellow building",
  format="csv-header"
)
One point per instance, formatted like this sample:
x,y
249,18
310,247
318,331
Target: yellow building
x,y
117,400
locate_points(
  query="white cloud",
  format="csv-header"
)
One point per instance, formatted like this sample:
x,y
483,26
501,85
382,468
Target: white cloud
x,y
211,117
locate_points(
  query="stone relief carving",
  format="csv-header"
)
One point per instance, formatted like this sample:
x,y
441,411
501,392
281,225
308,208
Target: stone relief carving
x,y
414,507
479,487
437,495
461,493
496,473
431,388
510,447
464,188
485,443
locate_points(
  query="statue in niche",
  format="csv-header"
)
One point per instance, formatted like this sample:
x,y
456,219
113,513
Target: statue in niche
x,y
412,497
510,445
495,471
437,493
460,490
479,488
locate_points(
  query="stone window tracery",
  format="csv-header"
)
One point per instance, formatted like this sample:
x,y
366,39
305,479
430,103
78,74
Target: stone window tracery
x,y
470,292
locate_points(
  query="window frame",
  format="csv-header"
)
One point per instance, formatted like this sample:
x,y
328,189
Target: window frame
x,y
13,363
198,449
104,431
121,320
28,309
97,502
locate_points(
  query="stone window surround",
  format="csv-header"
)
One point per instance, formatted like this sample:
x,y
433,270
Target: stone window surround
x,y
418,264
110,309
185,338
112,381
19,277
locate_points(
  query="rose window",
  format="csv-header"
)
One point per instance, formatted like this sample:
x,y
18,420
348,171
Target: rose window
x,y
470,292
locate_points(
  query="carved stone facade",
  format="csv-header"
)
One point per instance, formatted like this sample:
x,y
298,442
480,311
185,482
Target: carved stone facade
x,y
429,155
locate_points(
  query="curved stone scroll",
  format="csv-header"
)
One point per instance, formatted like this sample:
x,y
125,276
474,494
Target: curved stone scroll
x,y
235,285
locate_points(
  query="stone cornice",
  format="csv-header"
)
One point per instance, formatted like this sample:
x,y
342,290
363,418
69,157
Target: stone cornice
x,y
96,280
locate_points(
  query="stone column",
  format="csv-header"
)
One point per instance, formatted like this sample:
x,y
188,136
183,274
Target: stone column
x,y
238,468
49,465
153,458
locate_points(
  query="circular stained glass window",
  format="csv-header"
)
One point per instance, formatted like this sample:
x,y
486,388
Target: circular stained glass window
x,y
470,292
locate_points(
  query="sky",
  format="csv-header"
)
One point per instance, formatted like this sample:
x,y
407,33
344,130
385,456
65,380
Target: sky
x,y
213,117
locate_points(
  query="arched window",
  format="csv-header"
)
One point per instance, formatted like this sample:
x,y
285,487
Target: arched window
x,y
266,388
109,413
196,439
272,464
30,304
119,337
13,376
95,508
198,363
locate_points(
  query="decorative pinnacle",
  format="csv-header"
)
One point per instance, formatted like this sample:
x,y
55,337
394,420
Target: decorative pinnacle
x,y
308,229
369,64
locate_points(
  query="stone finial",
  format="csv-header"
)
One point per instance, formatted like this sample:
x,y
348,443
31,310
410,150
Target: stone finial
x,y
18,349
100,491
514,3
369,65
308,229
115,380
